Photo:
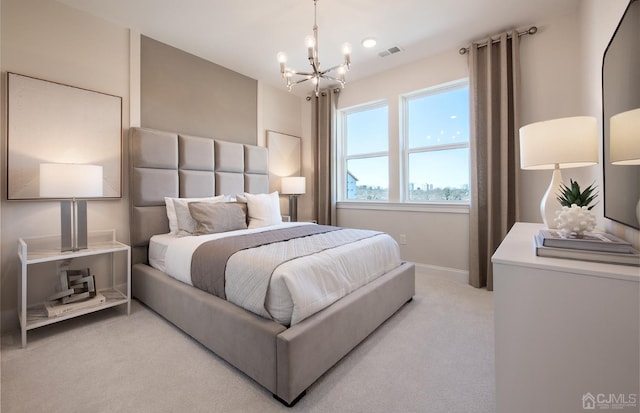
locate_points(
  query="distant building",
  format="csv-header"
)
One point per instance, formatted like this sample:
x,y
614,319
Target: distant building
x,y
352,182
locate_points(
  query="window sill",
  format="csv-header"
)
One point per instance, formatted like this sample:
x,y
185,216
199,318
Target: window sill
x,y
440,207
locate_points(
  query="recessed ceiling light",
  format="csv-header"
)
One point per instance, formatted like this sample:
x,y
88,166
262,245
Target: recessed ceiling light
x,y
369,42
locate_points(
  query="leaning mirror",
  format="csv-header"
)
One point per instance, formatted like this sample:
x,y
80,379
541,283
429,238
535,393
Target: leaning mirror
x,y
621,120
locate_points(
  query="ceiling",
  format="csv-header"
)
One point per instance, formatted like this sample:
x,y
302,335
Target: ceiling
x,y
246,35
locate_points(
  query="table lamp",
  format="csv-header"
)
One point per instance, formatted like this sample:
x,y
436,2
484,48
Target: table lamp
x,y
555,144
293,186
69,182
624,141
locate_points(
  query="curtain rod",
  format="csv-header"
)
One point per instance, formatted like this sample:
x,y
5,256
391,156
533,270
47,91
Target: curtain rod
x,y
532,30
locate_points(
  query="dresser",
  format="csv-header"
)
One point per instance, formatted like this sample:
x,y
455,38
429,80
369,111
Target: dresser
x,y
567,334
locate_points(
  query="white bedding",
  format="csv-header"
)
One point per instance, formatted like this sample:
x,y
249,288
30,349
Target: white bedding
x,y
299,287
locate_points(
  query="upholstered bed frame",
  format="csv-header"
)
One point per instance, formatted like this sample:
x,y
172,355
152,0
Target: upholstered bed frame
x,y
284,360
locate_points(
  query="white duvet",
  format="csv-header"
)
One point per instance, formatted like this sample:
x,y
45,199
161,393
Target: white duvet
x,y
299,287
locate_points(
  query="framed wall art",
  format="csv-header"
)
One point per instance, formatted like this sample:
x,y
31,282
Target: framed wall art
x,y
51,122
285,157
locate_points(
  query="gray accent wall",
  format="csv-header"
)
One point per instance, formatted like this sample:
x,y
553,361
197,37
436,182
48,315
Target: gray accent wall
x,y
181,92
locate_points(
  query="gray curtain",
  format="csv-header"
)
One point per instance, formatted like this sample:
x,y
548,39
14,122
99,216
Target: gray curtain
x,y
323,127
494,87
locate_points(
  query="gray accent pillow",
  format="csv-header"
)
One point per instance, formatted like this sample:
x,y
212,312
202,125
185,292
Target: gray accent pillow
x,y
180,220
212,218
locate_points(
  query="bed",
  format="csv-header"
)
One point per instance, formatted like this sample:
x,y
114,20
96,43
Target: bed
x,y
284,357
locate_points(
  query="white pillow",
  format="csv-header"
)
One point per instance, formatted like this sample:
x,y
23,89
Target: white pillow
x,y
179,215
263,209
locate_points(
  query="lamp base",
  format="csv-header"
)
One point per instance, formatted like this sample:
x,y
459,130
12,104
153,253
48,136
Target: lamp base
x,y
73,225
549,203
293,207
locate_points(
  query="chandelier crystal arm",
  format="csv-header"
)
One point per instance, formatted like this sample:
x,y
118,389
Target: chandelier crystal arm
x,y
331,69
302,80
335,79
316,74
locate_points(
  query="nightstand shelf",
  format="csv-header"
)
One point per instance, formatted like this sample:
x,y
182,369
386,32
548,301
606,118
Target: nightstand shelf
x,y
45,249
37,315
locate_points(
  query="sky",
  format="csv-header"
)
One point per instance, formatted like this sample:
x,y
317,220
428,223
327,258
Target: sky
x,y
434,120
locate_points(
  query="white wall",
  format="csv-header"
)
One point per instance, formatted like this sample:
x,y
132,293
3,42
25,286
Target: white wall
x,y
281,111
551,76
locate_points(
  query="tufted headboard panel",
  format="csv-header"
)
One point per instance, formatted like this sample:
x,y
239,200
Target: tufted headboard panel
x,y
175,165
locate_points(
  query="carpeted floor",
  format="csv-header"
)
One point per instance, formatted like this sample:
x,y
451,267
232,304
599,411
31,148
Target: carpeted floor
x,y
435,355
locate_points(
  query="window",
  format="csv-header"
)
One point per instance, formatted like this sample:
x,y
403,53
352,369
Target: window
x,y
437,144
365,149
414,152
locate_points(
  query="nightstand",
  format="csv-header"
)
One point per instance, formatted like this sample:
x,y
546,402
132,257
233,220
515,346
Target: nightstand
x,y
46,249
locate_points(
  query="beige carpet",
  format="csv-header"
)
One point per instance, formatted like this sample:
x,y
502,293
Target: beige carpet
x,y
434,355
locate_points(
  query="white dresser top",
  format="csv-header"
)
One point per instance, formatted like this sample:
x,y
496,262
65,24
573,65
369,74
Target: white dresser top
x,y
518,248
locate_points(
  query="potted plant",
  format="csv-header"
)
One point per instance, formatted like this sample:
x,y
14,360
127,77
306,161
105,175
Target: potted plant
x,y
575,218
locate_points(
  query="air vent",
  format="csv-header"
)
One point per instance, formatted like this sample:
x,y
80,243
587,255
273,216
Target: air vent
x,y
389,51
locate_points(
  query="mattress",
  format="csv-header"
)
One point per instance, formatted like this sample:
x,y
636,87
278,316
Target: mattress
x,y
298,287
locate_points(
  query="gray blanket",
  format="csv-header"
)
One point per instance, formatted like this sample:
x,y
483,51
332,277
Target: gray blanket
x,y
209,260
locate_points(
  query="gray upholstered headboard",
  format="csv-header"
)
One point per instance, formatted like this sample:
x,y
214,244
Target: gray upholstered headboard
x,y
176,165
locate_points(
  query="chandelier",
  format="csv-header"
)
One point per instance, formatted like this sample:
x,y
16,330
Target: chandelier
x,y
336,73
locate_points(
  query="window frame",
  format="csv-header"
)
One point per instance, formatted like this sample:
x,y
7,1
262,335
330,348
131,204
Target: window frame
x,y
342,148
406,151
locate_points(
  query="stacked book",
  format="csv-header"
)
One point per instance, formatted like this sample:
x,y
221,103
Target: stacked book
x,y
592,246
55,309
77,290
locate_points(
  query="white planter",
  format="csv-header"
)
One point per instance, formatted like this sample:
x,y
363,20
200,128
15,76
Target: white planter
x,y
575,220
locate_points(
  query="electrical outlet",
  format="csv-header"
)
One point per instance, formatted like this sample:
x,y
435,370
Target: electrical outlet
x,y
403,239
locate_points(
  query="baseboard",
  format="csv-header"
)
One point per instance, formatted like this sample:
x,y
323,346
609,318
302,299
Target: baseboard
x,y
444,272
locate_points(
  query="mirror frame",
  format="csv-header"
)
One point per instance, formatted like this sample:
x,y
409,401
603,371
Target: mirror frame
x,y
620,184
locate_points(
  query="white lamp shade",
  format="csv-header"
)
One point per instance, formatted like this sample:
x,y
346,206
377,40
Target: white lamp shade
x,y
293,185
567,142
63,180
624,138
